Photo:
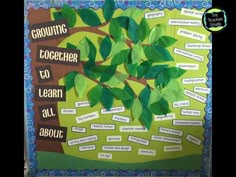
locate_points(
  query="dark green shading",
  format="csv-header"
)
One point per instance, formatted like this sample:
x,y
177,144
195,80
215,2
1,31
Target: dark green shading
x,y
120,94
107,98
128,103
69,79
160,108
62,161
108,9
94,95
105,47
89,17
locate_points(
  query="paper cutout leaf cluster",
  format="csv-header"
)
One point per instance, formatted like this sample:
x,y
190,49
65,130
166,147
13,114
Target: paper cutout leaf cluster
x,y
106,95
66,13
130,44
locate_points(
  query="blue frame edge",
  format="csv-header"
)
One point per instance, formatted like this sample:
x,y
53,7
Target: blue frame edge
x,y
28,87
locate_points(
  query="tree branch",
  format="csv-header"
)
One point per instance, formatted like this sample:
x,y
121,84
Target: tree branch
x,y
141,81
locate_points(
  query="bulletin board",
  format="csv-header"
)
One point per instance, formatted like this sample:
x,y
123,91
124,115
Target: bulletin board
x,y
117,88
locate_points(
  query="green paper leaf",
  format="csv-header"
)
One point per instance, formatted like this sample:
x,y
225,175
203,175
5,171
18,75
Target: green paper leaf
x,y
107,98
128,103
160,108
108,73
163,78
154,70
89,17
116,79
92,50
146,118
131,26
123,22
108,9
88,70
84,48
165,41
57,15
131,68
155,96
117,47
94,95
156,32
120,57
137,53
120,94
176,72
80,84
115,30
70,46
69,14
143,68
165,53
105,47
145,95
121,76
136,109
173,91
175,85
133,30
69,80
143,30
131,12
157,54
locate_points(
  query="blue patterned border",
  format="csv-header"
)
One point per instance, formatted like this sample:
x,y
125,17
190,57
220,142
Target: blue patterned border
x,y
29,113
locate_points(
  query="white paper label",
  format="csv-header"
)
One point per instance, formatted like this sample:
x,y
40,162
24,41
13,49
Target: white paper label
x,y
87,117
187,122
116,148
114,138
191,34
82,104
187,66
193,139
183,22
198,46
194,96
178,104
138,140
170,131
173,148
189,54
202,90
133,129
68,111
103,127
104,156
190,112
154,14
87,148
78,129
83,140
120,118
194,80
166,139
191,13
147,152
169,116
113,110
